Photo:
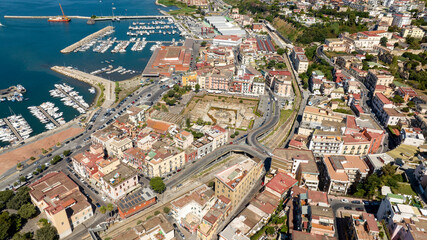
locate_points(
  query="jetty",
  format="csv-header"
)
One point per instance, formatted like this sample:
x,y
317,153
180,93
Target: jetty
x,y
87,39
72,98
109,93
44,17
49,116
11,127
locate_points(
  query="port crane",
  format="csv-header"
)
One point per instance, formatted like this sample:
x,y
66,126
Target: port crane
x,y
59,18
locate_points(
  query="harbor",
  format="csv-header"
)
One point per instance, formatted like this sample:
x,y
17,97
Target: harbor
x,y
48,114
69,97
87,40
12,93
14,128
109,86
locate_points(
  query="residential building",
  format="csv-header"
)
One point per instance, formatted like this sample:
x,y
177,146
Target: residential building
x,y
376,161
116,146
136,114
335,45
341,171
183,139
280,184
378,77
400,20
136,202
236,181
299,59
412,31
216,215
218,134
119,182
60,199
406,93
162,161
393,209
363,226
190,80
318,115
412,136
327,140
189,209
157,227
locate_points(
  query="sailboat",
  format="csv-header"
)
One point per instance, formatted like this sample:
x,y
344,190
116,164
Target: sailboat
x,y
1,24
62,18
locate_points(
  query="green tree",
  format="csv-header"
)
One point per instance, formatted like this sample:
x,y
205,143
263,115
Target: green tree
x,y
67,153
156,213
166,210
383,41
6,195
157,184
197,88
44,222
25,236
203,44
47,233
27,211
22,179
171,93
188,122
284,228
103,209
397,99
388,170
280,51
270,230
21,197
5,225
110,207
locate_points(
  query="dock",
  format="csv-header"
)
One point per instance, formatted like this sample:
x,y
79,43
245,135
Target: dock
x,y
110,95
48,116
18,136
110,18
86,39
72,98
44,17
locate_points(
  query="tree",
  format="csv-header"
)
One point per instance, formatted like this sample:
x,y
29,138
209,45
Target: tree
x,y
157,184
197,88
47,233
156,213
284,228
280,51
110,207
203,44
398,99
22,179
67,152
5,225
27,211
388,170
6,195
25,236
21,197
188,122
171,93
166,210
270,230
43,222
383,41
19,165
103,209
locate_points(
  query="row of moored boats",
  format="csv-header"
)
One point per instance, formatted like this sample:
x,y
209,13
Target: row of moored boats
x,y
69,97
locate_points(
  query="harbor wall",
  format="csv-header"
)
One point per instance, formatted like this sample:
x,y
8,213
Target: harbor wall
x,y
44,17
109,93
86,39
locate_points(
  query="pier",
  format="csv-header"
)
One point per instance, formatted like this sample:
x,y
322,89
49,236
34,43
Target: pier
x,y
44,17
72,98
110,95
86,39
18,136
48,116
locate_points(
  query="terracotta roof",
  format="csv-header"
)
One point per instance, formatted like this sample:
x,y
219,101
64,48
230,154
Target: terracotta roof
x,y
281,183
383,98
158,125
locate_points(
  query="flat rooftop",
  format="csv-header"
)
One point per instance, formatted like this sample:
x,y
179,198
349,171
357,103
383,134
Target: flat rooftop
x,y
235,174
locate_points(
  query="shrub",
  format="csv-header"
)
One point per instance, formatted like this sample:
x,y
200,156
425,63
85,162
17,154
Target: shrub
x,y
156,213
166,210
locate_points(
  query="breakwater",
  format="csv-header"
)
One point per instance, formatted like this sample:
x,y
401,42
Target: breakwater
x,y
109,93
87,39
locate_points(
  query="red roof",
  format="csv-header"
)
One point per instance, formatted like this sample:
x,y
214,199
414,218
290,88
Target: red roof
x,y
383,98
408,91
228,37
286,73
281,183
359,108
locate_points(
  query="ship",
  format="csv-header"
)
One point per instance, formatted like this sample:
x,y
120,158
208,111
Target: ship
x,y
62,18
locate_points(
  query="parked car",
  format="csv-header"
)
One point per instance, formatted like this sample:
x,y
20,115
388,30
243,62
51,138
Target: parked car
x,y
355,202
347,208
344,200
359,209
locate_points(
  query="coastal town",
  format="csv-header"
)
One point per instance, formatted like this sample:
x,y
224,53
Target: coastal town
x,y
261,120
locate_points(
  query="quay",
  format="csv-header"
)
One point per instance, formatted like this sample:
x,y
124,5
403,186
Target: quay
x,y
86,39
13,129
49,116
131,17
109,93
44,17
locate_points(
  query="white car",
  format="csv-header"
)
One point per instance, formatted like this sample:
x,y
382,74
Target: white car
x,y
344,200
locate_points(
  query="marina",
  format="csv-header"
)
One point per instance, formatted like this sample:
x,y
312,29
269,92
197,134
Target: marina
x,y
14,128
89,39
48,114
69,97
13,93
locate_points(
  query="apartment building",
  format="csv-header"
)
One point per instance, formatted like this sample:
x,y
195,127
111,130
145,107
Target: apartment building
x,y
183,139
400,20
227,40
218,134
343,170
189,209
157,227
363,226
216,215
335,45
116,146
299,59
378,77
317,115
162,161
412,31
190,80
394,209
119,182
60,199
412,136
236,181
280,184
327,140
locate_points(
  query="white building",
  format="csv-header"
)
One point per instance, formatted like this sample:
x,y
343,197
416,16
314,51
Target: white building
x,y
227,40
